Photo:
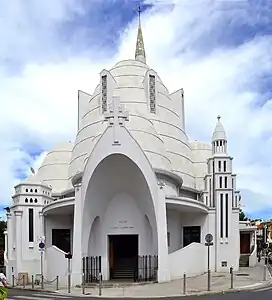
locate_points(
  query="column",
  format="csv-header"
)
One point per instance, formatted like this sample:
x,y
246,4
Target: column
x,y
77,241
8,246
18,242
163,256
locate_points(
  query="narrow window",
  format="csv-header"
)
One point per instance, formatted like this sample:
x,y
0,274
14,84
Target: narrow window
x,y
104,93
31,191
227,215
30,225
232,193
168,239
221,215
152,94
209,168
210,191
220,182
219,166
226,182
225,166
26,190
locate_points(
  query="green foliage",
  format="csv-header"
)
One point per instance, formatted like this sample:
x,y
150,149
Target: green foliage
x,y
242,216
3,227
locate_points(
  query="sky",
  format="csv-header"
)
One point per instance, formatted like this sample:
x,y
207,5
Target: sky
x,y
219,52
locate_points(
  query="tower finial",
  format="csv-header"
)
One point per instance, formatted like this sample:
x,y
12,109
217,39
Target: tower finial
x,y
218,117
140,50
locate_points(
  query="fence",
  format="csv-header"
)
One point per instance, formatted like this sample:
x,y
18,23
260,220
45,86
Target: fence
x,y
91,268
37,281
147,268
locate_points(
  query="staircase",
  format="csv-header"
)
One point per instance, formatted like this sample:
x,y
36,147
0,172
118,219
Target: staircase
x,y
244,260
124,269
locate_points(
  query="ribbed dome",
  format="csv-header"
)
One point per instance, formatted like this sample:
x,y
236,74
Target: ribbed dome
x,y
160,135
54,169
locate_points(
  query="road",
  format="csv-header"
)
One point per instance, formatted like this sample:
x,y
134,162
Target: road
x,y
263,293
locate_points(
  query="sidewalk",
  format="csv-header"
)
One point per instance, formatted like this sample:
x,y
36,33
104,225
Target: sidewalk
x,y
245,278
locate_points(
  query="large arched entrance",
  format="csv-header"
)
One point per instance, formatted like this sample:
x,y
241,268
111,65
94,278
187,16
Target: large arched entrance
x,y
119,218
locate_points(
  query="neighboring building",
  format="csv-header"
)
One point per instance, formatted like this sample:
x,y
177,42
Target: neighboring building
x,y
248,244
132,184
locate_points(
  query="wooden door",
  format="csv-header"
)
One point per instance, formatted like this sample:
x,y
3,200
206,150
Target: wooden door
x,y
245,243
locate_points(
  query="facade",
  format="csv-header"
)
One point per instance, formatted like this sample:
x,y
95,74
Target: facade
x,y
131,190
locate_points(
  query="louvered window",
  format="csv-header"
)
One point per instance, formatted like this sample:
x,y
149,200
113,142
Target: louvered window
x,y
152,94
104,93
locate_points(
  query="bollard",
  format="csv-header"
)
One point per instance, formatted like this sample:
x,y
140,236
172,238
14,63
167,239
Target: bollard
x,y
13,281
209,280
42,282
100,283
231,277
264,273
57,283
23,281
69,283
184,284
83,284
32,281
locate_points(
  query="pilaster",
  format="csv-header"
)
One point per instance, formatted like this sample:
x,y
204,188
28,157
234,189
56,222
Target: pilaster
x,y
77,238
163,257
10,236
18,243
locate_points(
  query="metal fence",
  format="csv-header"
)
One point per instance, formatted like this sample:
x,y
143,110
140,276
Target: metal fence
x,y
91,268
147,268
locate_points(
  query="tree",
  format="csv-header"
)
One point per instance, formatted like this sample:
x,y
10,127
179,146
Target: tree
x,y
3,227
242,216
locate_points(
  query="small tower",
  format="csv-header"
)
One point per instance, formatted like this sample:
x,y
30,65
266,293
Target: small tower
x,y
219,139
25,222
223,199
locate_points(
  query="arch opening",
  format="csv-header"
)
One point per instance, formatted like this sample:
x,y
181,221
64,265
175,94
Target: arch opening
x,y
118,209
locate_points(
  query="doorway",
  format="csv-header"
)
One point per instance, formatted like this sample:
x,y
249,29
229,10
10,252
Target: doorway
x,y
123,256
245,243
191,234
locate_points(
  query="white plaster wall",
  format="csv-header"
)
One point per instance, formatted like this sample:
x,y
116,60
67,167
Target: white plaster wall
x,y
174,229
56,265
123,216
191,260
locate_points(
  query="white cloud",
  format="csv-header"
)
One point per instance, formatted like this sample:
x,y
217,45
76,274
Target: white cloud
x,y
43,98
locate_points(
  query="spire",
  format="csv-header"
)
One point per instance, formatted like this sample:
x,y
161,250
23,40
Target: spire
x,y
219,131
140,50
219,138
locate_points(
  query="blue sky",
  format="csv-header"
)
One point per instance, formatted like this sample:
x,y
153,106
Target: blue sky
x,y
218,51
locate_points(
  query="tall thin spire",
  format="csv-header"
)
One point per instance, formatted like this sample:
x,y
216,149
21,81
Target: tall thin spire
x,y
140,50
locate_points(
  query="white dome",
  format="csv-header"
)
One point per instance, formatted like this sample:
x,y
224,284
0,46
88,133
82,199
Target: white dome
x,y
54,169
160,135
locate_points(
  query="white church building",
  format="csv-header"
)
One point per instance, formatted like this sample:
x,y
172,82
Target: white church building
x,y
132,197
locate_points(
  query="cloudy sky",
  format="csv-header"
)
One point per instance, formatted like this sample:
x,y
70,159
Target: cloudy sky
x,y
218,51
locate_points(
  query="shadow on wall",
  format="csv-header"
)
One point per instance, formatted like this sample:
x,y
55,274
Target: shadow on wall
x,y
56,265
191,260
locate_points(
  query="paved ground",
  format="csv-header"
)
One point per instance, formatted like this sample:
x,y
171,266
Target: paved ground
x,y
263,293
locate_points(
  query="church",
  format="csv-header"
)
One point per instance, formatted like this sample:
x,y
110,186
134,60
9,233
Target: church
x,y
132,197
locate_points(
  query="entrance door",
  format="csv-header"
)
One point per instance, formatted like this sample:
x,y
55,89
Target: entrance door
x,y
191,235
245,243
123,256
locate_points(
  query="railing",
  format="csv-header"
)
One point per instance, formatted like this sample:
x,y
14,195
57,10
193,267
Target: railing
x,y
37,281
147,268
91,268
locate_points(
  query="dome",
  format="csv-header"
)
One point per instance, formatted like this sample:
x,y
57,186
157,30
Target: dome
x,y
54,169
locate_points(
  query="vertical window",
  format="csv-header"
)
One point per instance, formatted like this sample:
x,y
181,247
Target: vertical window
x,y
168,239
219,166
221,216
220,182
226,182
209,168
225,166
152,94
30,225
210,191
232,192
227,215
104,93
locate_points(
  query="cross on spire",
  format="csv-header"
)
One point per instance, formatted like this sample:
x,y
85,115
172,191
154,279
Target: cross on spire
x,y
116,117
140,50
